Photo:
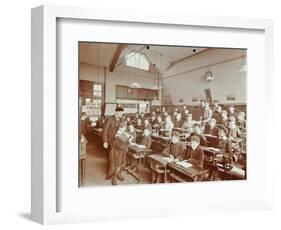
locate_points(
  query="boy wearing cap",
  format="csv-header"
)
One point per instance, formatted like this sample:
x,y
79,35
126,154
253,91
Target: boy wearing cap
x,y
195,154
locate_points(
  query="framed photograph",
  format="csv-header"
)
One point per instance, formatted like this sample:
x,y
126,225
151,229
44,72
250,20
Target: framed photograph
x,y
117,132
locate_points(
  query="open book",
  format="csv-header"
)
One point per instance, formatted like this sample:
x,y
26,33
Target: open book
x,y
184,164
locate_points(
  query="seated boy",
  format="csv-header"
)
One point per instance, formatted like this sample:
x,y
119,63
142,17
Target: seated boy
x,y
147,125
178,121
132,132
234,132
139,125
175,150
198,132
225,145
168,126
211,128
188,123
195,154
241,122
146,140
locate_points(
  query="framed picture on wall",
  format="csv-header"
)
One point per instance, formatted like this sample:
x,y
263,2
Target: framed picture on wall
x,y
120,71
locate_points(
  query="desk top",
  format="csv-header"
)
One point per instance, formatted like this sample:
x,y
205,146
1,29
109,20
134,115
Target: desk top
x,y
191,172
138,130
160,137
139,149
207,149
210,136
158,159
179,129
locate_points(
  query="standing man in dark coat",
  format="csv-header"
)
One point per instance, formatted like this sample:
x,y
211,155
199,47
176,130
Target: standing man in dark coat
x,y
110,128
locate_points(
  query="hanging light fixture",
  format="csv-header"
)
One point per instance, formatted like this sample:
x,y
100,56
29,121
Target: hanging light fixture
x,y
243,67
209,75
157,86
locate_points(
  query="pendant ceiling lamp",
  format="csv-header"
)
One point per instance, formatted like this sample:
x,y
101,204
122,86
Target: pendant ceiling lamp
x,y
135,84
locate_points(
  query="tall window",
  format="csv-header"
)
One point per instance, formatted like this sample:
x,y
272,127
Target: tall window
x,y
137,60
97,90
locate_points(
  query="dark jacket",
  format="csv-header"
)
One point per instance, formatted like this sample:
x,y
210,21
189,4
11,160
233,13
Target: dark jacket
x,y
147,141
117,155
214,131
203,140
241,124
110,128
148,126
196,156
225,145
177,150
178,124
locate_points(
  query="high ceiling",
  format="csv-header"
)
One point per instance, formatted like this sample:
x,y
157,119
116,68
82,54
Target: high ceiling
x,y
162,56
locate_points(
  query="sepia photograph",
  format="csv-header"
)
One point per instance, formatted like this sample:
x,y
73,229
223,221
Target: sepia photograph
x,y
151,114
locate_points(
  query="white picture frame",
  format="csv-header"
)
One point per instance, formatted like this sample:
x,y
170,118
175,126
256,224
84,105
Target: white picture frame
x,y
46,184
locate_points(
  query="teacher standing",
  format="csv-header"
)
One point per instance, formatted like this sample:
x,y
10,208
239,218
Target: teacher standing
x,y
110,129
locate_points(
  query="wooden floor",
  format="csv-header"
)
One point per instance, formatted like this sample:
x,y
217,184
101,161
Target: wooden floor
x,y
97,163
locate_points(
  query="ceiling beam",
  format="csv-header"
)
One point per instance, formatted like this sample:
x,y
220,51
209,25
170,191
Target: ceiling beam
x,y
184,58
116,56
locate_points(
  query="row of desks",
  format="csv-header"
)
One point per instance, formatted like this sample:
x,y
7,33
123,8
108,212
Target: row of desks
x,y
141,153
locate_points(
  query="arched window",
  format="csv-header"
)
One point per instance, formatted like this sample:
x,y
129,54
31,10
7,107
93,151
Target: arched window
x,y
137,60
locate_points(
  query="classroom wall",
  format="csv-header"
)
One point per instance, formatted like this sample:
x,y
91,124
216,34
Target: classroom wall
x,y
121,76
227,78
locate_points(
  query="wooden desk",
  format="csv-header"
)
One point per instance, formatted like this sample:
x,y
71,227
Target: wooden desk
x,y
162,141
159,159
160,138
207,150
138,153
211,137
180,130
192,173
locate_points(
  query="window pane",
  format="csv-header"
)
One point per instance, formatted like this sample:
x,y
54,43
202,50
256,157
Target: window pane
x,y
137,60
97,93
97,87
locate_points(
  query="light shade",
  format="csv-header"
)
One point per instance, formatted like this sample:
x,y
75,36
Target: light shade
x,y
155,87
135,85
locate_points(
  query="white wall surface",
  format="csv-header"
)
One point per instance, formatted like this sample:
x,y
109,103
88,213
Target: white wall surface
x,y
15,114
121,76
227,78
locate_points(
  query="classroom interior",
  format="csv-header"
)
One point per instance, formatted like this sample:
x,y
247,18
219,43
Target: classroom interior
x,y
158,81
